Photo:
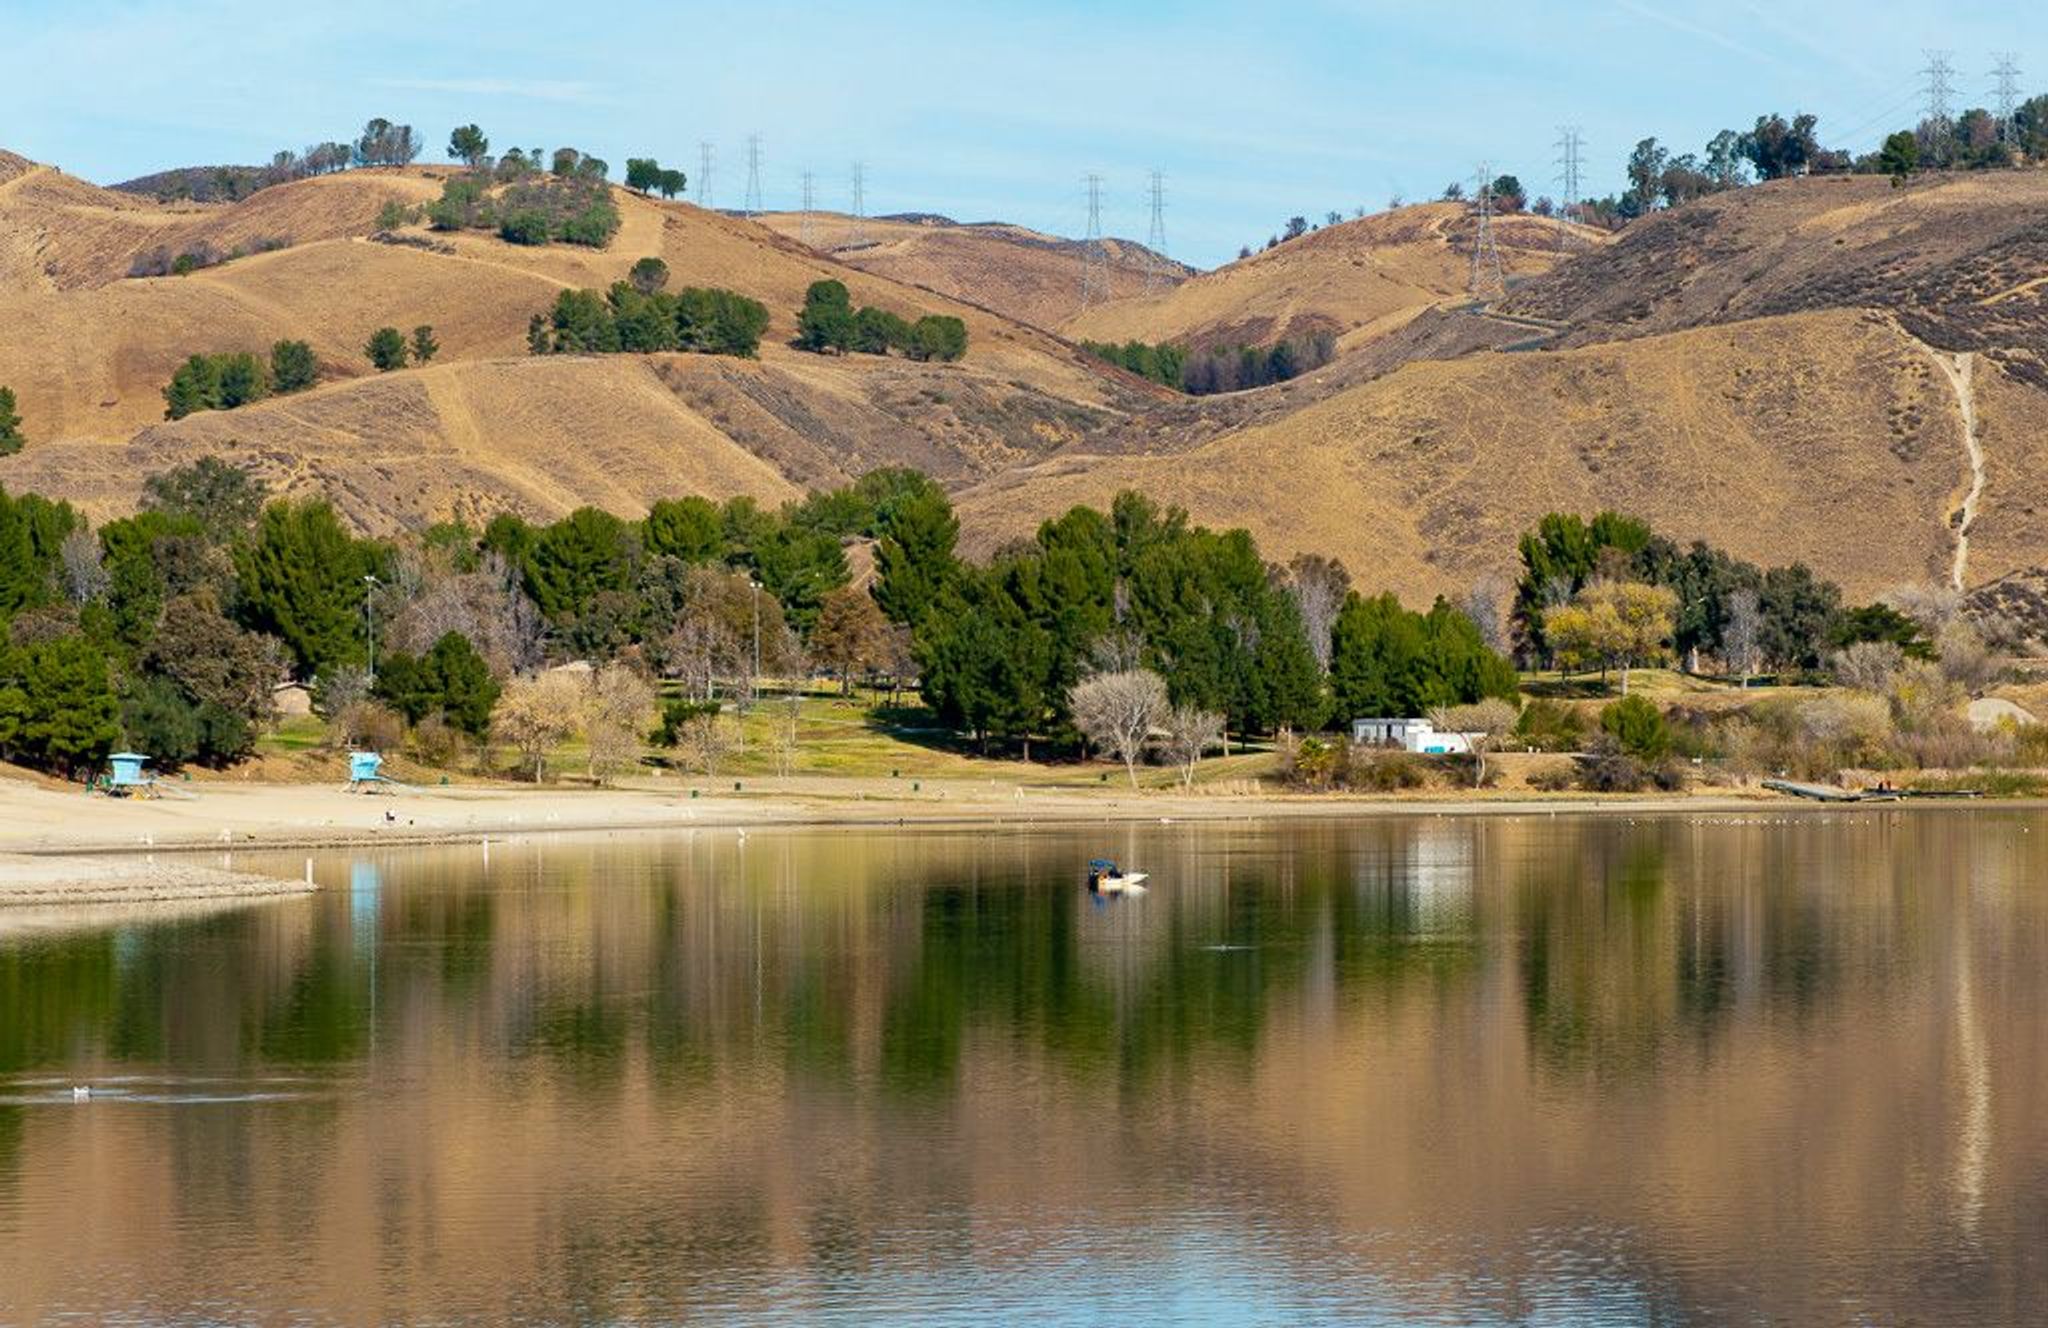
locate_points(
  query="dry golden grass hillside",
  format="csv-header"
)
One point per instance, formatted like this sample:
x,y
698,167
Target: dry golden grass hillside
x,y
544,435
1962,260
1354,280
1011,270
1829,438
106,344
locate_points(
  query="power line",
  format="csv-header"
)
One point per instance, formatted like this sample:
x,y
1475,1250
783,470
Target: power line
x,y
1488,281
807,229
1094,258
752,206
1571,147
704,174
1155,237
860,203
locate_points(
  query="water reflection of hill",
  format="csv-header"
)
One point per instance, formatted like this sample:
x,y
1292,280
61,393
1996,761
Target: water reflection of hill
x,y
1495,1066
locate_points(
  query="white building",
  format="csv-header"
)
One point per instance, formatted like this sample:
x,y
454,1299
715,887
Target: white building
x,y
1414,735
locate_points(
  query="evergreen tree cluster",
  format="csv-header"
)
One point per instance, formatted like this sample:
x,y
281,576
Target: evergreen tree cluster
x,y
229,379
1163,364
828,322
648,176
638,317
149,632
1001,644
1219,368
1801,617
570,203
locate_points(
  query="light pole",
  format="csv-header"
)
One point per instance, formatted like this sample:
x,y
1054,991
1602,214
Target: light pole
x,y
754,683
370,584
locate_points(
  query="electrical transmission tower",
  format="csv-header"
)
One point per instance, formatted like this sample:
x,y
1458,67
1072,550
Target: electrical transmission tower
x,y
1155,236
1571,146
704,175
1940,90
1094,257
752,206
1488,281
807,231
2006,97
860,203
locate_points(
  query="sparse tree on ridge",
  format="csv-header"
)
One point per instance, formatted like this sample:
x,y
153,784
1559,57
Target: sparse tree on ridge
x,y
826,321
1900,156
386,349
469,146
292,367
424,347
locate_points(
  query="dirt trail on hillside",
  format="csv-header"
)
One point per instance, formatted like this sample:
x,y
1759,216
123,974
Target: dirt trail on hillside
x,y
1960,370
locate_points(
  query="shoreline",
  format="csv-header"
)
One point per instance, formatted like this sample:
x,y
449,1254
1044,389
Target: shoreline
x,y
41,825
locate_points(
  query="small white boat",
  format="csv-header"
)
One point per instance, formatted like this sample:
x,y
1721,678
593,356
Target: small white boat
x,y
1106,878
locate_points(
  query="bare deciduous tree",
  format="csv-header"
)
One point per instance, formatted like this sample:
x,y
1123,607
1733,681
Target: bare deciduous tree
x,y
1118,711
1486,605
535,715
1742,636
1190,733
85,579
785,716
1965,660
1933,607
1867,666
1484,723
706,740
1318,586
615,720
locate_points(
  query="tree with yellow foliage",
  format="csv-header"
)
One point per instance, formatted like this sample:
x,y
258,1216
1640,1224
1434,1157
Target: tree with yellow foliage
x,y
1612,624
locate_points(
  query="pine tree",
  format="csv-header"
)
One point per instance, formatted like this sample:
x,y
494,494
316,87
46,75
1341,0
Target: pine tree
x,y
386,349
11,440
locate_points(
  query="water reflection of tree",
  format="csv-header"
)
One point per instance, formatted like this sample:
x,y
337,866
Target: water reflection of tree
x,y
1621,956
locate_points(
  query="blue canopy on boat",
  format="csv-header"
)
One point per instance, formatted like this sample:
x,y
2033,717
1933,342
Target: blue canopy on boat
x,y
1102,864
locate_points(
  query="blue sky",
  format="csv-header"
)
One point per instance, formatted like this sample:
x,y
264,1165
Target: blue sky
x,y
1254,111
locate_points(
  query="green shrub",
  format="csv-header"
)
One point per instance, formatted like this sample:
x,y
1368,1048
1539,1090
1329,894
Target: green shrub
x,y
215,382
1551,726
524,226
1639,727
1386,770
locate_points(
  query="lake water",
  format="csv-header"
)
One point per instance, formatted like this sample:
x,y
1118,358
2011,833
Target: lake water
x,y
1537,1071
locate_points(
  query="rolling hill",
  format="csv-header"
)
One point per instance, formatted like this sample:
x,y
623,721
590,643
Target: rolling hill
x,y
1355,280
1010,270
1827,370
90,382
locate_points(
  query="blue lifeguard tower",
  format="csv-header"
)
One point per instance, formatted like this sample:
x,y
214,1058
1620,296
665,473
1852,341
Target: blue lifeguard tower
x,y
366,773
128,776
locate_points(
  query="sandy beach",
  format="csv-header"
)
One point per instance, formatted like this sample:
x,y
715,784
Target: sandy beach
x,y
41,823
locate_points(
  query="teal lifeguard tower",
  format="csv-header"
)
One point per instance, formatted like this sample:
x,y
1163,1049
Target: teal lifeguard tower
x,y
366,773
129,776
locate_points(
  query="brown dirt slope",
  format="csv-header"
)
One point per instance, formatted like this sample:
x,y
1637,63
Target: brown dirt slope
x,y
1962,259
1829,438
1012,270
1354,279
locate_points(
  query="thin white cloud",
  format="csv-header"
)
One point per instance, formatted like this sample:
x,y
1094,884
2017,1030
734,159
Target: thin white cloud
x,y
1692,29
530,89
